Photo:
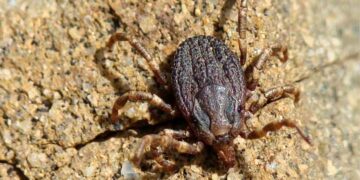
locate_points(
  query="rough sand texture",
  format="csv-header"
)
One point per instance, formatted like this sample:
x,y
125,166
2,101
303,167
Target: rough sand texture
x,y
57,87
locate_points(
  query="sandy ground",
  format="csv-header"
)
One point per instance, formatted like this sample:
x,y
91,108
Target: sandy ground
x,y
57,87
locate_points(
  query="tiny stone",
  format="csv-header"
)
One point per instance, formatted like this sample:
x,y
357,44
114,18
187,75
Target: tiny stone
x,y
74,33
8,122
86,87
331,169
57,95
33,93
303,168
94,99
47,93
178,18
108,63
215,177
25,125
308,40
331,55
148,24
7,137
5,74
127,171
130,112
197,12
37,160
271,166
195,169
89,171
292,173
305,146
234,175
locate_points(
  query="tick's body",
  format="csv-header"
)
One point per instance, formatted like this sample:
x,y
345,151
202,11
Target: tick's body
x,y
207,78
211,90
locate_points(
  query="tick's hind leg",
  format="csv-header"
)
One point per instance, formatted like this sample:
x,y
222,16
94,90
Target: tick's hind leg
x,y
256,102
167,140
160,78
274,126
152,99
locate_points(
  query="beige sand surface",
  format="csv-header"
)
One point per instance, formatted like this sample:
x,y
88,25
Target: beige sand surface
x,y
57,90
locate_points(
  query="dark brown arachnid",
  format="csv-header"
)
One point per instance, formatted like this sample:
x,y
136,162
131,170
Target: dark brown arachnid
x,y
211,90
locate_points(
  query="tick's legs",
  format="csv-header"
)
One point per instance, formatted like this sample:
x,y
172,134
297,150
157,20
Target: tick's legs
x,y
177,134
246,116
271,127
136,44
157,154
276,93
163,164
252,71
166,140
242,30
140,96
271,95
273,50
255,102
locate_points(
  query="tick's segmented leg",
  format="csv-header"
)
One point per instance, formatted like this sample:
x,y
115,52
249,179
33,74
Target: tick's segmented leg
x,y
253,70
166,141
272,127
271,95
161,164
273,50
140,96
242,25
164,164
245,116
177,134
276,93
136,44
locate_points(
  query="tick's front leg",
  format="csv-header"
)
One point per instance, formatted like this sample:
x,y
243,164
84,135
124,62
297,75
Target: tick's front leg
x,y
256,101
272,127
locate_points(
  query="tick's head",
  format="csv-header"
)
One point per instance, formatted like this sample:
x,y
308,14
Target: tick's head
x,y
225,153
216,110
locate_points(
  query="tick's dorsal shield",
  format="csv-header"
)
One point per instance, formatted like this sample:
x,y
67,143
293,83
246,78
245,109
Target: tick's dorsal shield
x,y
214,106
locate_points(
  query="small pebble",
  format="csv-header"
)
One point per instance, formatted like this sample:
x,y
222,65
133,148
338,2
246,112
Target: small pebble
x,y
127,171
89,171
5,74
148,24
331,169
38,160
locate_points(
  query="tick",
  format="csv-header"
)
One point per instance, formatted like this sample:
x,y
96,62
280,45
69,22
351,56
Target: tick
x,y
211,88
